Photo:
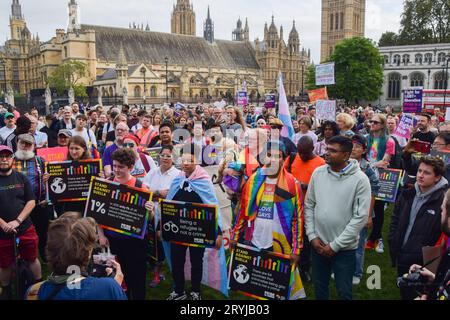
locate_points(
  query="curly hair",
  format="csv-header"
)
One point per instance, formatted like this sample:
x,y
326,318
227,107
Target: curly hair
x,y
124,156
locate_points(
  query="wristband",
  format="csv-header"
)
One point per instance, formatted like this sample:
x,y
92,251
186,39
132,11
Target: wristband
x,y
19,221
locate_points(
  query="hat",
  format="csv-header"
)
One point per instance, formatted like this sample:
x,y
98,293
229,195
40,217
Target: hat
x,y
6,148
132,137
9,114
65,132
26,137
276,122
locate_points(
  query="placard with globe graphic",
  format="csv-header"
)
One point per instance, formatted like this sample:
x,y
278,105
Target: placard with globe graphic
x,y
260,274
70,180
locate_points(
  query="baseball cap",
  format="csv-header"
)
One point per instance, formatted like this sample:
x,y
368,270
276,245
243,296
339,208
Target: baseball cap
x,y
360,139
65,132
26,137
9,114
6,148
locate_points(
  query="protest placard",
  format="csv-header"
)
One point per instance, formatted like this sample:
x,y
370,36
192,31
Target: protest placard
x,y
57,154
270,101
325,74
154,154
412,100
318,94
190,224
260,274
326,110
405,126
70,180
242,99
389,183
118,208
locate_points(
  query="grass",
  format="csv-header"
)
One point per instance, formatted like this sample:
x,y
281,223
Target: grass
x,y
388,291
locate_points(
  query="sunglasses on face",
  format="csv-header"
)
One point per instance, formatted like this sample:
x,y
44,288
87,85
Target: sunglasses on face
x,y
129,145
374,122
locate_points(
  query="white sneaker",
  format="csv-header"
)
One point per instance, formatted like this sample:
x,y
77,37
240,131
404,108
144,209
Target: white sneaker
x,y
176,296
356,281
332,276
379,248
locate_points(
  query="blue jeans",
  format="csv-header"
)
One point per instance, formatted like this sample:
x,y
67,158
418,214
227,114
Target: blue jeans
x,y
360,253
343,266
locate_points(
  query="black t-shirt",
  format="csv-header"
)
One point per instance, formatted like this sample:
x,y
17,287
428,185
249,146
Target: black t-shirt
x,y
111,136
15,192
425,137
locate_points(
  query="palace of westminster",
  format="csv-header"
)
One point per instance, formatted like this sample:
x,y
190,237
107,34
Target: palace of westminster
x,y
145,64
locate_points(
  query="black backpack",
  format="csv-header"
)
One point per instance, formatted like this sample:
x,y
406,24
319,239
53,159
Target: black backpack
x,y
396,160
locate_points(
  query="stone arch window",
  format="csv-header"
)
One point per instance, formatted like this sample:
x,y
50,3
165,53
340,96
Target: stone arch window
x,y
386,59
137,91
406,59
397,59
428,58
331,22
111,92
417,79
153,91
419,58
342,21
172,93
202,94
441,57
394,86
440,81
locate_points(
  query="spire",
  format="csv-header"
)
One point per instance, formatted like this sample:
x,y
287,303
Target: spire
x,y
121,58
208,30
246,31
16,10
74,22
246,24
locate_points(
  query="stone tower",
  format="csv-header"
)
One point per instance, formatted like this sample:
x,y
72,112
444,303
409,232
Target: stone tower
x,y
208,30
238,33
341,19
17,22
74,21
183,18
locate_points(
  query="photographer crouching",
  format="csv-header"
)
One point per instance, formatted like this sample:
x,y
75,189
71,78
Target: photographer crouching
x,y
70,245
436,286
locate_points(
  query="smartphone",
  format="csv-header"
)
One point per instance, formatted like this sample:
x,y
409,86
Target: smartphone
x,y
422,147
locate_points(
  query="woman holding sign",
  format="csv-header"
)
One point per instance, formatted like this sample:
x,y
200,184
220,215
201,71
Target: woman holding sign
x,y
194,185
78,150
132,252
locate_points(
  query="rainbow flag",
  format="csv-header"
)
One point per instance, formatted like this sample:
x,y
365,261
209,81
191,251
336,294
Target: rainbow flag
x,y
283,113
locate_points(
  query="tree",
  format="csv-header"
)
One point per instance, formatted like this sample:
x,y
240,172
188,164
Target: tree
x,y
358,69
424,22
388,39
311,78
69,75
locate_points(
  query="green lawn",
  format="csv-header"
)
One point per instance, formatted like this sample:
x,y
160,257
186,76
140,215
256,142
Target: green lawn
x,y
388,291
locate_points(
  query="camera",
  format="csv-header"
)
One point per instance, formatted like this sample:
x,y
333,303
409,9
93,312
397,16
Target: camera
x,y
101,262
413,281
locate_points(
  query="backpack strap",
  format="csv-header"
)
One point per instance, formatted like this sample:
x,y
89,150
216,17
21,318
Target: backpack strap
x,y
145,162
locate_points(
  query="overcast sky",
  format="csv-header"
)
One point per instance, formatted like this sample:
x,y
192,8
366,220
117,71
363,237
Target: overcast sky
x,y
45,16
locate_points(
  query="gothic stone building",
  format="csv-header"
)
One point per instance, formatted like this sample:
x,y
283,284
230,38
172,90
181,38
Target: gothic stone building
x,y
135,61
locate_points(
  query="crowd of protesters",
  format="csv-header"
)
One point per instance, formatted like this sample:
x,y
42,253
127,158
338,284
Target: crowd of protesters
x,y
310,195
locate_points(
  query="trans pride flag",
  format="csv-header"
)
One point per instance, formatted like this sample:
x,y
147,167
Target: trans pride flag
x,y
283,112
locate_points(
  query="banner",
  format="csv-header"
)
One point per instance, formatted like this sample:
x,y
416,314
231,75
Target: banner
x,y
70,180
260,274
118,207
325,74
57,154
412,100
242,99
389,184
444,156
326,110
188,223
405,126
270,101
318,94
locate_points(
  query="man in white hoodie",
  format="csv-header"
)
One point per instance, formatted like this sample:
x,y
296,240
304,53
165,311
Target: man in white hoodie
x,y
336,208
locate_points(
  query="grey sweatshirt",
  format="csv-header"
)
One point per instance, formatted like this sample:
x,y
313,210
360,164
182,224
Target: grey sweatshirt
x,y
419,200
337,206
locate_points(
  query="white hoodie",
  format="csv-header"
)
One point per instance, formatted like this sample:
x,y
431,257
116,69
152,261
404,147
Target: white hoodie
x,y
337,206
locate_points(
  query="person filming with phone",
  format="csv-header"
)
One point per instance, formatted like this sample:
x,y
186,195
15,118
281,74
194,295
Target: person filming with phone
x,y
411,164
